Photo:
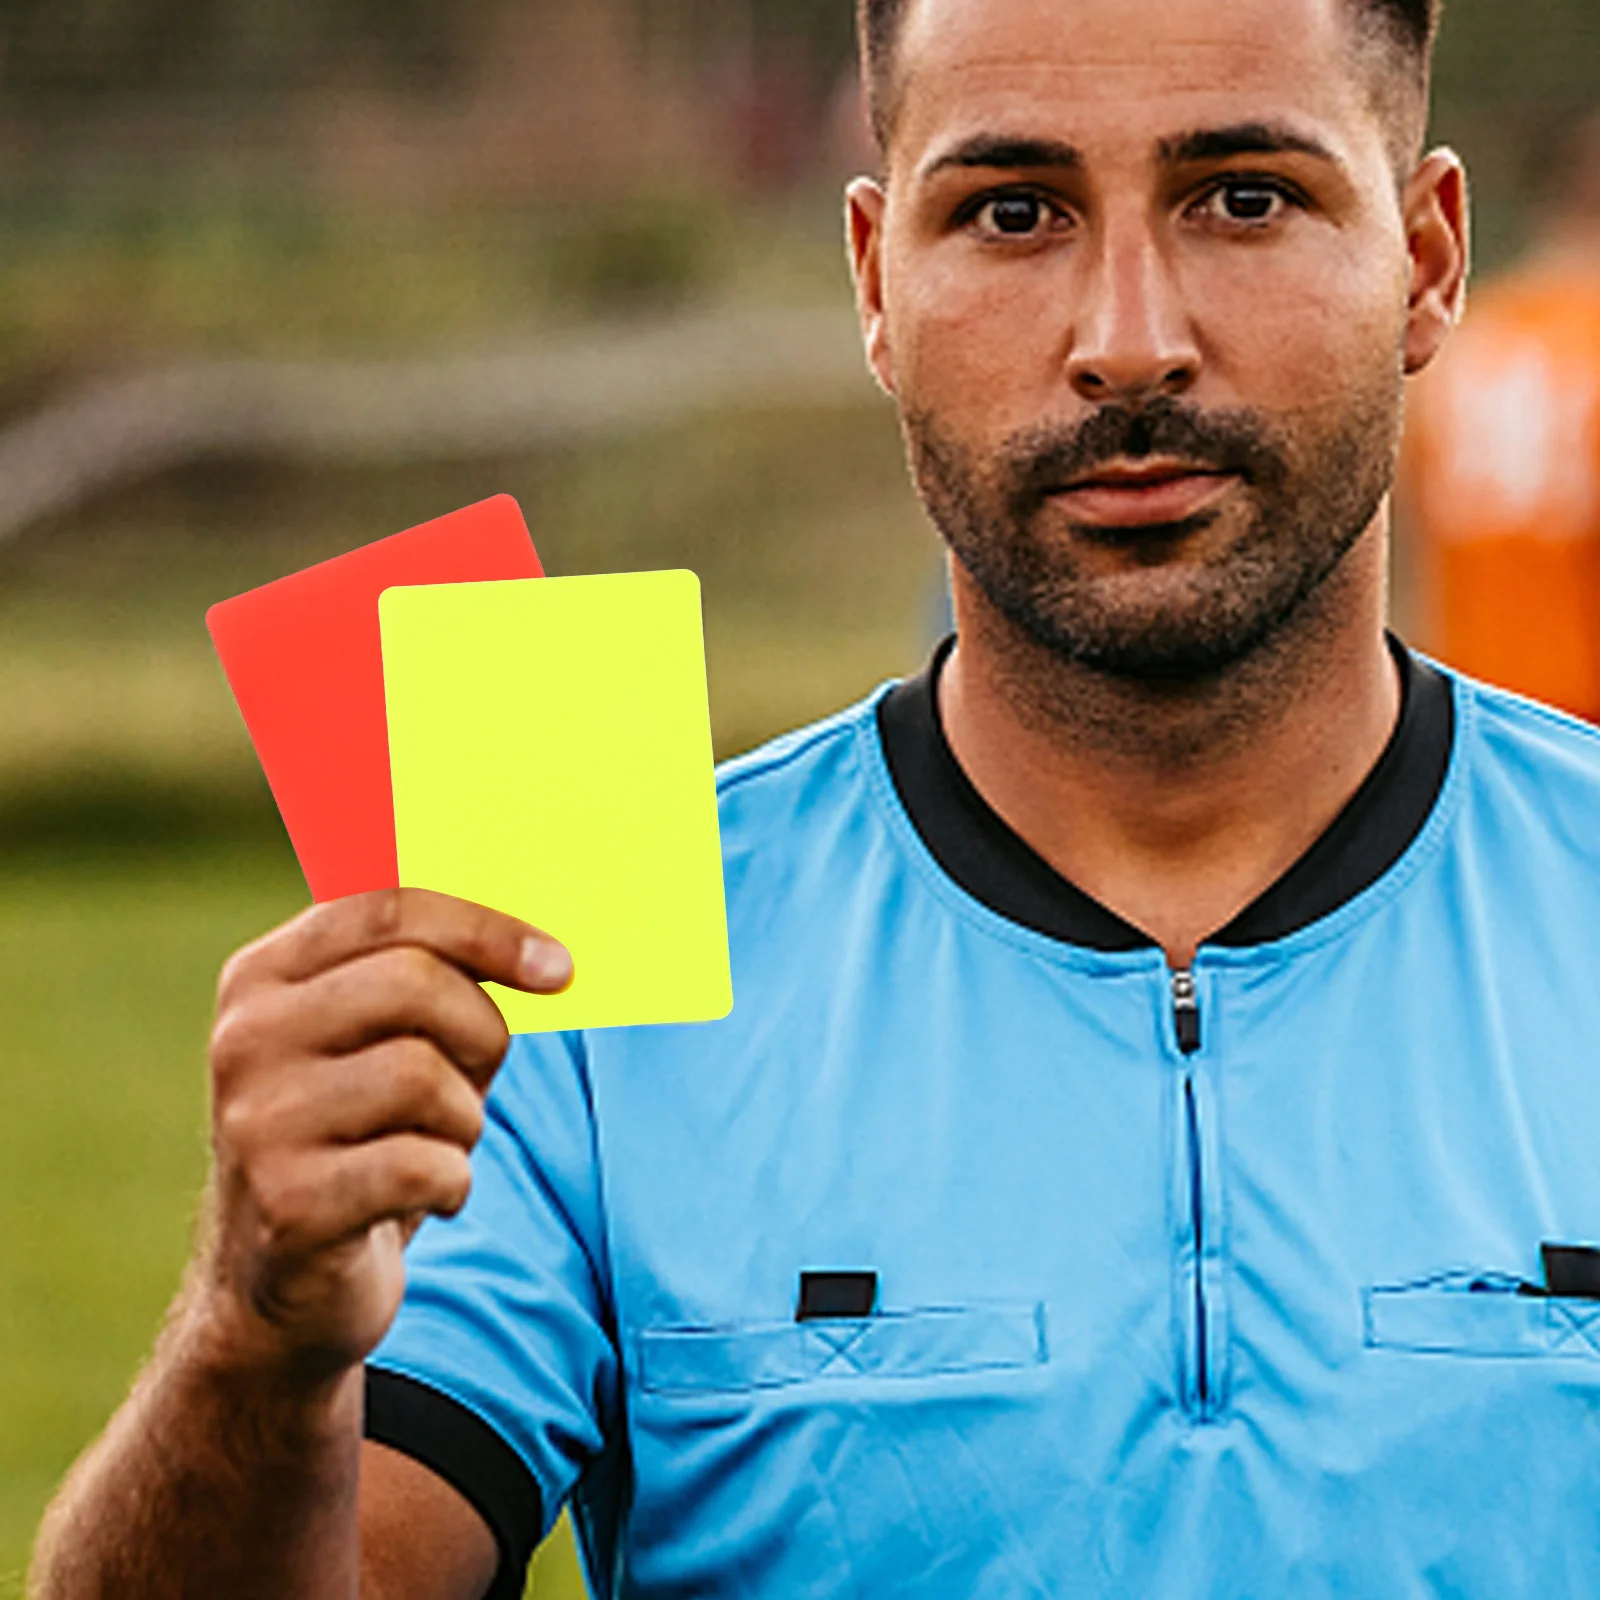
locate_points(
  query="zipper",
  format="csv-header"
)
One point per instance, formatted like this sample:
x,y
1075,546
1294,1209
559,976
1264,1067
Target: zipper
x,y
1186,1011
1193,1182
1197,1221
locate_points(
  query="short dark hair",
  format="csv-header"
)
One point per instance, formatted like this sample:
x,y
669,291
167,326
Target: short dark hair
x,y
1410,25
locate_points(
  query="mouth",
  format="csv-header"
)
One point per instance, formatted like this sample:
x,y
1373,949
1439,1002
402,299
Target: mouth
x,y
1144,493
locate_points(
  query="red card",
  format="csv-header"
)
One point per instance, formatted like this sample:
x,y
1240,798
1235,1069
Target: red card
x,y
305,662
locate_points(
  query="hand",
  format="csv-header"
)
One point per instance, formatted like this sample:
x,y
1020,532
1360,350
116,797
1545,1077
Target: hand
x,y
351,1054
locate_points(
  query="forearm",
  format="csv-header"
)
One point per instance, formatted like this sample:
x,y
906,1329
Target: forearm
x,y
214,1479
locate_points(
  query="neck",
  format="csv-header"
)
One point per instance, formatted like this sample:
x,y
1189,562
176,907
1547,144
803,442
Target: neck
x,y
1177,804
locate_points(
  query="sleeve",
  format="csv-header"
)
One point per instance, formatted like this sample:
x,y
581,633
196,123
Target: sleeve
x,y
501,1371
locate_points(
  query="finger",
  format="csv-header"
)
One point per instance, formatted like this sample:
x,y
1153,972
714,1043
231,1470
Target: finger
x,y
490,945
404,1085
397,1179
405,990
322,1199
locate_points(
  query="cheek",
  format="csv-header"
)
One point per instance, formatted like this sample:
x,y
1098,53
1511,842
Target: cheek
x,y
1300,333
983,345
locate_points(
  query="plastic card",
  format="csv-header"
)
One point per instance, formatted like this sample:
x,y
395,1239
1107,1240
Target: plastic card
x,y
305,663
550,746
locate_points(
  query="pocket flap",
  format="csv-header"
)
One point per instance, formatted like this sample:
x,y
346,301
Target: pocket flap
x,y
900,1344
1471,1314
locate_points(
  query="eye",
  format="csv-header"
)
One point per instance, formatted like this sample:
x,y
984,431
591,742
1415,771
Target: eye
x,y
1246,202
1017,215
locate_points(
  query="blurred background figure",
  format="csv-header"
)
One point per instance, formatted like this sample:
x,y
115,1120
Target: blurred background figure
x,y
1502,471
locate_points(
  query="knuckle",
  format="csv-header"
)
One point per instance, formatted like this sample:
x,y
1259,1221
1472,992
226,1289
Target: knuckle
x,y
234,1126
499,1032
253,1035
491,1023
414,1074
242,970
232,975
412,970
491,940
490,1042
238,973
282,1201
455,1182
456,1112
236,1041
385,913
434,1175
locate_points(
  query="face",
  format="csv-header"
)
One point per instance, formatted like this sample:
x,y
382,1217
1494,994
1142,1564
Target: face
x,y
1145,284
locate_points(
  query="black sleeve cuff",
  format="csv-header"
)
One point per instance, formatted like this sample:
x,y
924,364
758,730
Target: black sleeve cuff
x,y
471,1457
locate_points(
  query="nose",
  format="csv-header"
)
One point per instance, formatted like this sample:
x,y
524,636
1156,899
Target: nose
x,y
1132,337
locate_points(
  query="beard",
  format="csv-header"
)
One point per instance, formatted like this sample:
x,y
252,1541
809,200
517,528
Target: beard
x,y
1309,492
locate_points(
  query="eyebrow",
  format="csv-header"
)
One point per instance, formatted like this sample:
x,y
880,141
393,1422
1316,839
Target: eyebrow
x,y
1000,152
996,151
1241,139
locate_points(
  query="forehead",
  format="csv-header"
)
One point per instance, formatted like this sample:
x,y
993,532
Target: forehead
x,y
1126,68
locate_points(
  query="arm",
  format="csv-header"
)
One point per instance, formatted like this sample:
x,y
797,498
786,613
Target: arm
x,y
418,1536
350,1058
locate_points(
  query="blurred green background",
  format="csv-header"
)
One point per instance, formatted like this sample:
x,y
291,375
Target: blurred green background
x,y
320,192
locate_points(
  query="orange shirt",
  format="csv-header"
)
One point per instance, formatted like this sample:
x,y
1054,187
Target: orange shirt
x,y
1502,481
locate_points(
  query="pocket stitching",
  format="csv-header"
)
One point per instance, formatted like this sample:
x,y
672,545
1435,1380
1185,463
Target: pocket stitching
x,y
839,1353
993,1341
1576,1327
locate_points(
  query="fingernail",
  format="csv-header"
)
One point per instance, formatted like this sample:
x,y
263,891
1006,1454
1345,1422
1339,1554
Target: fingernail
x,y
544,964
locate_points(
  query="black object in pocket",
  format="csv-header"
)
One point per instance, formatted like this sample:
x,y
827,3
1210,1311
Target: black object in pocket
x,y
1571,1271
836,1294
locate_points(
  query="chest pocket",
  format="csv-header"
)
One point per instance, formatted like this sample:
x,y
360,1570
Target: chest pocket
x,y
1479,1314
931,1343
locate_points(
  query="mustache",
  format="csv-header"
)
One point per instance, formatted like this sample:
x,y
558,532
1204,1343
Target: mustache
x,y
1044,460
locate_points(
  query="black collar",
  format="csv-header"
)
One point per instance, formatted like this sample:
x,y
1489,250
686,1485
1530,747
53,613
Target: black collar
x,y
981,853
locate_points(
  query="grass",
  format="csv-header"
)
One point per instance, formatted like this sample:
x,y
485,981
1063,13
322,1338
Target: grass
x,y
106,974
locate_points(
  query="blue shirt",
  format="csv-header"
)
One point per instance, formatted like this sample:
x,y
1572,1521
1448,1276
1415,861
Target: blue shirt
x,y
1241,1308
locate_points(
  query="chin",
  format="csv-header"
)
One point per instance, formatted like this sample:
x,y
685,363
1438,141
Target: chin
x,y
1158,638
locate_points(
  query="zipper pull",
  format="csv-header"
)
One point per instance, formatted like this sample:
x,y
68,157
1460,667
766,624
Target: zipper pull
x,y
1186,1011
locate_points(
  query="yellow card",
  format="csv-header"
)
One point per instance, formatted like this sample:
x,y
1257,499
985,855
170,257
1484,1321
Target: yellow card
x,y
550,744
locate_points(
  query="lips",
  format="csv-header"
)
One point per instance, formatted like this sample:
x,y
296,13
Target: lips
x,y
1145,493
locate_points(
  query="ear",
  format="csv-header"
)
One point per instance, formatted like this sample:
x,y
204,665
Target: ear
x,y
866,204
1439,240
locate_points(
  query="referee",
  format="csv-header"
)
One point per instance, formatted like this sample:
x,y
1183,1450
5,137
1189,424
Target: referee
x,y
1153,1153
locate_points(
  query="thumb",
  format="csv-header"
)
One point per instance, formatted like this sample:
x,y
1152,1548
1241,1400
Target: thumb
x,y
544,965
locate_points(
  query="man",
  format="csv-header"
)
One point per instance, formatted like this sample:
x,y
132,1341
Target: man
x,y
1503,464
1165,1030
